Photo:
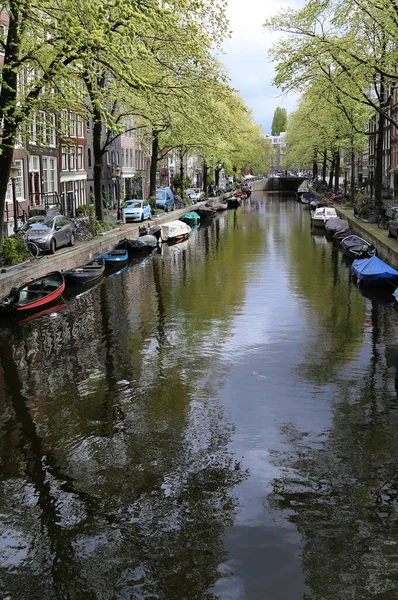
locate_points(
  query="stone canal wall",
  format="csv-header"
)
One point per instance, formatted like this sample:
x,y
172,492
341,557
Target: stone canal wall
x,y
386,248
82,252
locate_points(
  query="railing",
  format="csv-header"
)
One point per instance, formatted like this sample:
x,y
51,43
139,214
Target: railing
x,y
45,200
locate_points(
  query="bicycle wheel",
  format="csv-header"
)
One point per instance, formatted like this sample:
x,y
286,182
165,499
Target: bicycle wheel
x,y
33,249
90,231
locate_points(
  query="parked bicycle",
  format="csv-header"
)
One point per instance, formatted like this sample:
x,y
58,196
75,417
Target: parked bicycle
x,y
83,230
30,247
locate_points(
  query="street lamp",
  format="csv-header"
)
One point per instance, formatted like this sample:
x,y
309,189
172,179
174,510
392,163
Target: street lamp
x,y
13,176
118,173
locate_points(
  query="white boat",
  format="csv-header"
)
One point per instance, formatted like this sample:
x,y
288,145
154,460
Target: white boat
x,y
320,215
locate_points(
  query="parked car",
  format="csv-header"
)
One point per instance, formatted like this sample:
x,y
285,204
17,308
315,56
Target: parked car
x,y
49,232
393,226
136,210
195,194
165,199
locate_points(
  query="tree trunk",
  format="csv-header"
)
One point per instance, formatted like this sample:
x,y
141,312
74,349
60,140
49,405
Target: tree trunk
x,y
378,179
331,173
337,172
154,163
314,169
205,178
98,156
8,107
182,174
217,175
352,199
324,166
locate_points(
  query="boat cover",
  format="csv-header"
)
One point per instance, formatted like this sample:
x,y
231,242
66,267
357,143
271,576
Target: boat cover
x,y
204,212
335,224
190,216
354,241
373,269
144,241
174,229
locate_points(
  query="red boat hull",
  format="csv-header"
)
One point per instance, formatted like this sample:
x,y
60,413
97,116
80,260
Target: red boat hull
x,y
42,301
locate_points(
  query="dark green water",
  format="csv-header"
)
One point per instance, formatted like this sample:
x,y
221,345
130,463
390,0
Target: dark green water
x,y
217,421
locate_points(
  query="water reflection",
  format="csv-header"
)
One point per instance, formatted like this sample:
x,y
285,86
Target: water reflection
x,y
116,475
216,421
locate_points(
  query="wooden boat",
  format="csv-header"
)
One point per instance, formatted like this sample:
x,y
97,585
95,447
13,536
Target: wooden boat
x,y
33,295
113,257
374,271
85,273
355,247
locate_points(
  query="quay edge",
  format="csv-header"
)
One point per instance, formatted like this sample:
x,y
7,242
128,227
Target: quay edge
x,y
386,248
68,258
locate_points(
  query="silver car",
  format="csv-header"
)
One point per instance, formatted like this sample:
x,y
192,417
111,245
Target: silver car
x,y
50,233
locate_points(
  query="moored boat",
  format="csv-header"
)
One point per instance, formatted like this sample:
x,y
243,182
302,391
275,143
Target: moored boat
x,y
34,294
85,273
233,201
321,215
374,271
113,257
172,232
339,236
334,225
144,243
217,205
355,247
190,217
205,212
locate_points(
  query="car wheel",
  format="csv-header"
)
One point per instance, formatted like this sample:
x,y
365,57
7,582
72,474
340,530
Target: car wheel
x,y
142,217
149,216
389,233
72,240
53,245
166,209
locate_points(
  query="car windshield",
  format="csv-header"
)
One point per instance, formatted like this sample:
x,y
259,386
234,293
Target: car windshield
x,y
133,204
161,194
38,223
191,191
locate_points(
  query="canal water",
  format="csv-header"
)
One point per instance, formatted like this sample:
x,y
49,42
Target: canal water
x,y
220,420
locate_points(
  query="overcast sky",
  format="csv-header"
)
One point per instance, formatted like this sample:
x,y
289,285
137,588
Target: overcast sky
x,y
246,56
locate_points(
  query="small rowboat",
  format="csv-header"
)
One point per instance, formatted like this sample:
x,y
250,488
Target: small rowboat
x,y
34,294
85,273
113,257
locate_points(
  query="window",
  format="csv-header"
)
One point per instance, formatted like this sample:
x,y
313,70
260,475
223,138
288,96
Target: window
x,y
64,123
107,158
64,155
19,184
32,129
80,133
80,160
49,174
136,161
89,156
41,128
72,124
51,131
122,163
72,158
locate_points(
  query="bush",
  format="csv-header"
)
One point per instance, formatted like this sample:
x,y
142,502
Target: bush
x,y
102,226
348,204
13,251
365,211
86,209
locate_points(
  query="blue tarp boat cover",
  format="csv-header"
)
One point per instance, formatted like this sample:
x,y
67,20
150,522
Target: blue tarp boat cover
x,y
372,270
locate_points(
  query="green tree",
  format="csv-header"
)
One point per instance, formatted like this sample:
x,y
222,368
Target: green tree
x,y
279,122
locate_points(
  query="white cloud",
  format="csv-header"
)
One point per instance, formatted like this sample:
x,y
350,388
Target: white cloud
x,y
246,57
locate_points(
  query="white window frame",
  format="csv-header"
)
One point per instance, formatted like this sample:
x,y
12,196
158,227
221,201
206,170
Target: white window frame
x,y
80,158
19,183
64,157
